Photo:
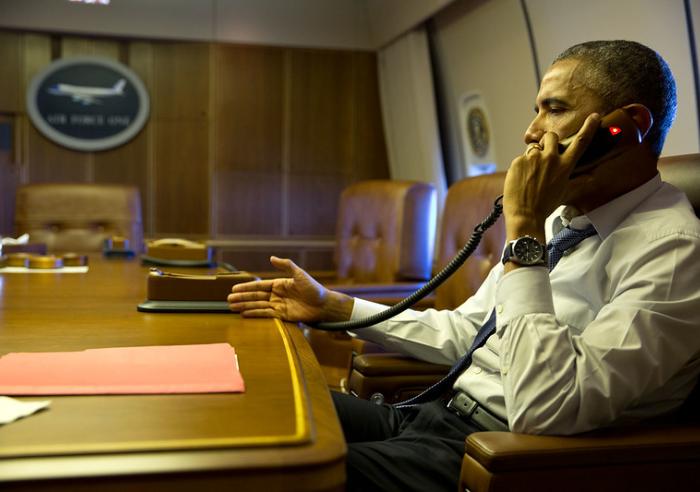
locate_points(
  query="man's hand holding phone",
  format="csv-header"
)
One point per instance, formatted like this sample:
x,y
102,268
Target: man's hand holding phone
x,y
538,181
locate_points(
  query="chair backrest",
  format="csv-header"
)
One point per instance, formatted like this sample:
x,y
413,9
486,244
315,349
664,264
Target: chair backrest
x,y
77,216
468,203
683,172
385,231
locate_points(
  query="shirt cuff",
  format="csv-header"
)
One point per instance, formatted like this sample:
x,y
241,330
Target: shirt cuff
x,y
526,290
362,309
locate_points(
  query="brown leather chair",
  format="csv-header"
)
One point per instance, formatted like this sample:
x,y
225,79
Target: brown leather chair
x,y
78,217
384,246
385,232
394,377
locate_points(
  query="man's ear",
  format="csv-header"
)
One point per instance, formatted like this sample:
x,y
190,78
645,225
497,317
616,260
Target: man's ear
x,y
642,117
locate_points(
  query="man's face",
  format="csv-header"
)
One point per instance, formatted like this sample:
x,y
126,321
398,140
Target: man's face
x,y
562,105
563,102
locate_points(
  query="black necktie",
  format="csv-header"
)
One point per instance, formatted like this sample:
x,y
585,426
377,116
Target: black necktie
x,y
564,240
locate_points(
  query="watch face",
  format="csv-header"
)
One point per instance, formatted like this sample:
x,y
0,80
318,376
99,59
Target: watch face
x,y
528,251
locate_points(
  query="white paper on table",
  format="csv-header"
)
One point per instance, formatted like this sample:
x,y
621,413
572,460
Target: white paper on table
x,y
11,409
23,239
66,269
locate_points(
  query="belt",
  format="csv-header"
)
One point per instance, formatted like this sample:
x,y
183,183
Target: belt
x,y
464,406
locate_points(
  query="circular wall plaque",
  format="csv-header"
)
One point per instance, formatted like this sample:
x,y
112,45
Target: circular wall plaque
x,y
87,103
478,132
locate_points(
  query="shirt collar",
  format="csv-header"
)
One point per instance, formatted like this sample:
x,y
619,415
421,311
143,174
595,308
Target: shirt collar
x,y
606,217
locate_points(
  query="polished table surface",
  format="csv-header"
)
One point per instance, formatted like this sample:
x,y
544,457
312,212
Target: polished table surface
x,y
281,434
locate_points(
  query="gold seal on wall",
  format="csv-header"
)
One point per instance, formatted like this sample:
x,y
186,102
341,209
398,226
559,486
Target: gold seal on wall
x,y
478,131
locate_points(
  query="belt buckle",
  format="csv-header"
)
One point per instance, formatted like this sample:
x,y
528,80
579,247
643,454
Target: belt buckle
x,y
461,404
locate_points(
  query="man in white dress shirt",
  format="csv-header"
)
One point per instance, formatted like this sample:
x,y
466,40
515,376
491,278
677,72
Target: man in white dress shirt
x,y
609,337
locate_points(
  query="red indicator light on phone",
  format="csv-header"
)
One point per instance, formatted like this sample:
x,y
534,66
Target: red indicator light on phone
x,y
614,130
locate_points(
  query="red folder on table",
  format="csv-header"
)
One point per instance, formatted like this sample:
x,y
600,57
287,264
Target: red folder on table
x,y
206,368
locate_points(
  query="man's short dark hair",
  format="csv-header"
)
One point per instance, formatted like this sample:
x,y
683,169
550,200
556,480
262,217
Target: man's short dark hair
x,y
626,72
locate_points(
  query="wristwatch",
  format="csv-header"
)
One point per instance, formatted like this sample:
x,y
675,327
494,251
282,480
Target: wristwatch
x,y
525,251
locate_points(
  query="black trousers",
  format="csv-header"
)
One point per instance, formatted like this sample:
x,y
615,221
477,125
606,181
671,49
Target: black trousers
x,y
419,449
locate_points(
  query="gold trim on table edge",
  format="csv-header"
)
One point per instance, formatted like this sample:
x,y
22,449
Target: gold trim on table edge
x,y
301,434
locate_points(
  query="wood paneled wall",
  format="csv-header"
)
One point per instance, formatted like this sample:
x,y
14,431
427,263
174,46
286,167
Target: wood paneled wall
x,y
242,141
250,138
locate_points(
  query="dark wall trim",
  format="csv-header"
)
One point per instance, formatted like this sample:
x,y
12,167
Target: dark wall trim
x,y
443,124
693,58
531,37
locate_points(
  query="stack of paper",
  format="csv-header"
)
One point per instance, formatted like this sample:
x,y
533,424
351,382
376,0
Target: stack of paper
x,y
207,368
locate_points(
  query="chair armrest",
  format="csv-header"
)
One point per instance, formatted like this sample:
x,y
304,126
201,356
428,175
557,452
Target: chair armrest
x,y
361,347
640,459
394,376
391,364
503,451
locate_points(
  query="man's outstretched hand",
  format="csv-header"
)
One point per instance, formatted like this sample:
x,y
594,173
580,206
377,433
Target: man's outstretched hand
x,y
296,297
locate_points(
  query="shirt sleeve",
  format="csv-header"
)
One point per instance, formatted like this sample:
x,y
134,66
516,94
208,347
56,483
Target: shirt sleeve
x,y
438,336
561,381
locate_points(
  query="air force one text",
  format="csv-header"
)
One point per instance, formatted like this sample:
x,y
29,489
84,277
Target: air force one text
x,y
87,95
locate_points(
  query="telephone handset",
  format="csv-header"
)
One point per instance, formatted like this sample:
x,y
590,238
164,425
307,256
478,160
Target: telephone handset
x,y
617,130
177,252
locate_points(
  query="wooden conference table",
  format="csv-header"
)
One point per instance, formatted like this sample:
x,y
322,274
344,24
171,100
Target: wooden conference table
x,y
281,434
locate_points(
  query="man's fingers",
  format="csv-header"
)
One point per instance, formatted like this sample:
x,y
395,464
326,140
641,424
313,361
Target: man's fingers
x,y
242,307
253,286
284,264
583,138
549,142
248,296
533,147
